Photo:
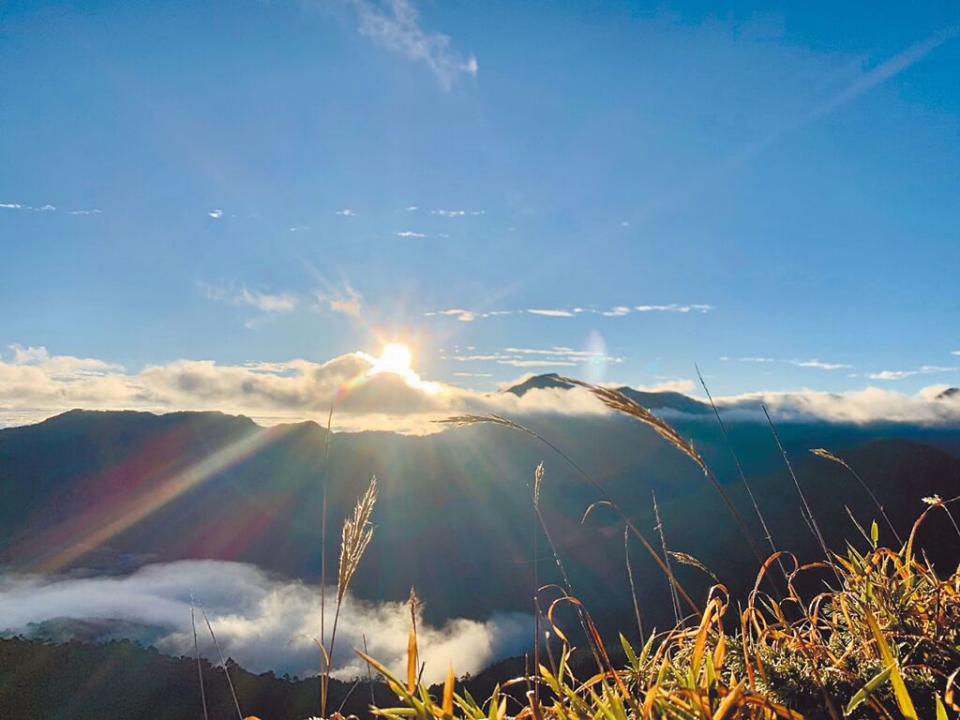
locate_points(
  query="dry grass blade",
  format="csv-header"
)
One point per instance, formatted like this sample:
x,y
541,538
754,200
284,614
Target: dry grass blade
x,y
446,707
537,482
357,534
687,559
827,455
618,402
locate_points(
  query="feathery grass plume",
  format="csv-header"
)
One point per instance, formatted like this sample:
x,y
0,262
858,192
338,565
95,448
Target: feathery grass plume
x,y
356,537
688,559
827,455
413,653
465,420
615,400
223,663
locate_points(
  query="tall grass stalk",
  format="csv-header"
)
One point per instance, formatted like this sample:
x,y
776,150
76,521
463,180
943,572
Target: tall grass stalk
x,y
356,537
633,587
223,663
196,652
827,455
618,402
811,520
325,470
510,424
675,601
743,476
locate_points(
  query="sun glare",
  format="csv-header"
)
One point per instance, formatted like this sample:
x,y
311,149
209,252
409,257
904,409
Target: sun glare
x,y
395,358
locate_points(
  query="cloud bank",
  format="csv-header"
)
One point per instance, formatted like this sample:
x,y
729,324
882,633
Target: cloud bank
x,y
35,384
262,622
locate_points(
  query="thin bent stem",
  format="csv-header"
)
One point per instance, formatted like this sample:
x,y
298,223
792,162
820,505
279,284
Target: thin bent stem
x,y
803,498
826,455
196,651
223,662
743,476
666,559
324,682
633,587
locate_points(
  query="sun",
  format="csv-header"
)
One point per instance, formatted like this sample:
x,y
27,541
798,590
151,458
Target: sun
x,y
395,358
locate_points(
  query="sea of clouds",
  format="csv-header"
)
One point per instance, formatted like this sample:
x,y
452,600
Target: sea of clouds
x,y
261,621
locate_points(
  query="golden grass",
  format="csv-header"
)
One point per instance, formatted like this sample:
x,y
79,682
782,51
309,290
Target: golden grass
x,y
883,642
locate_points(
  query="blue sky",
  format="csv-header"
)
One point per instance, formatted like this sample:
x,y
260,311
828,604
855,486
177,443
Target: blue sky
x,y
248,182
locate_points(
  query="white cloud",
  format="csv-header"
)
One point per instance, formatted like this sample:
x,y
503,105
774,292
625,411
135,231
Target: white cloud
x,y
216,214
901,374
678,385
35,384
394,24
820,365
346,212
262,622
673,307
551,313
411,208
91,211
410,234
618,311
11,206
955,352
461,315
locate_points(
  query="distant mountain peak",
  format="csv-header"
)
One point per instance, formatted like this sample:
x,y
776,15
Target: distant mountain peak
x,y
546,381
652,400
948,394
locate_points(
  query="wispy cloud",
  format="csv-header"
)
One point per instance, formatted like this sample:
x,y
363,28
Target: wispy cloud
x,y
410,234
556,356
457,213
551,313
395,25
820,365
265,302
48,208
216,214
343,299
615,311
673,307
901,374
812,363
461,315
346,212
